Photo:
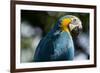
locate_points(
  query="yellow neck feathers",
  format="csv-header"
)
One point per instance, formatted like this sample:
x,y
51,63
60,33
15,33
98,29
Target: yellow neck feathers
x,y
64,24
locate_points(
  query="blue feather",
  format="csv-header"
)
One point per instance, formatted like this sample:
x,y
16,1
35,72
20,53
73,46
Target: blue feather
x,y
55,46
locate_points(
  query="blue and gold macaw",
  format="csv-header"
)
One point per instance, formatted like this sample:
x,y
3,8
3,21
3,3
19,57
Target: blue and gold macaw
x,y
58,45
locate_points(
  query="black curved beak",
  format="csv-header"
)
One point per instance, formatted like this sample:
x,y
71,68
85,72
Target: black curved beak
x,y
75,32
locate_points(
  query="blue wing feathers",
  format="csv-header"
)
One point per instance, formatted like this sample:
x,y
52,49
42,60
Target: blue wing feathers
x,y
55,48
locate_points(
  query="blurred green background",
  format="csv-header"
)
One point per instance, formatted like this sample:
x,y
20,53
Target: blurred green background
x,y
36,24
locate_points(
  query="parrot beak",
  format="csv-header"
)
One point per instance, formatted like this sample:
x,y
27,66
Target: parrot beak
x,y
75,32
75,29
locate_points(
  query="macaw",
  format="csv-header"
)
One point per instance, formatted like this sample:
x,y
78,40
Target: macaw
x,y
58,45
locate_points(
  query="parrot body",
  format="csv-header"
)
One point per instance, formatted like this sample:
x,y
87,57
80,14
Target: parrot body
x,y
57,45
56,48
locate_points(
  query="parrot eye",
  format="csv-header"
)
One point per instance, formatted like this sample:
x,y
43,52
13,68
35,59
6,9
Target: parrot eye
x,y
74,20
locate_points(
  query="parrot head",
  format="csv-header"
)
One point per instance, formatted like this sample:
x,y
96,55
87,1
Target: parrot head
x,y
72,24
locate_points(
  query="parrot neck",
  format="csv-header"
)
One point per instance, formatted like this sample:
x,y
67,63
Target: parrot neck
x,y
65,29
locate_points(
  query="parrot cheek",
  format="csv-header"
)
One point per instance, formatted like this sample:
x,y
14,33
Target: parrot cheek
x,y
71,27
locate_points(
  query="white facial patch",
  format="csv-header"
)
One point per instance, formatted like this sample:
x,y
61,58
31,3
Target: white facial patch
x,y
76,22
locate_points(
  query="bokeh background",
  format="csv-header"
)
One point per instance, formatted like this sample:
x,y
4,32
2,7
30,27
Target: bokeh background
x,y
36,24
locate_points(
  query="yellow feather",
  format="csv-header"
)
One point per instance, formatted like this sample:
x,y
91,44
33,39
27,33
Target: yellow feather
x,y
64,24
